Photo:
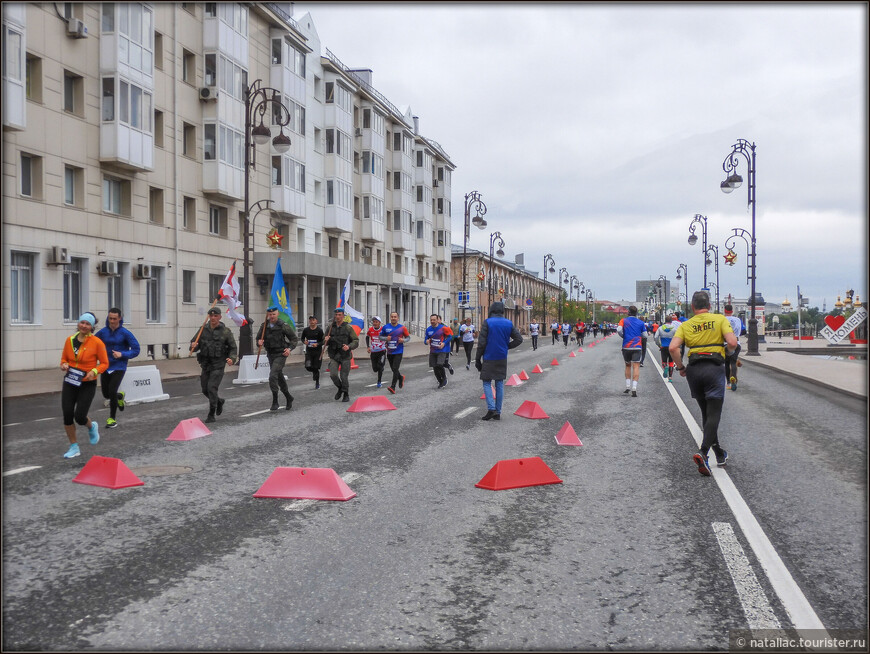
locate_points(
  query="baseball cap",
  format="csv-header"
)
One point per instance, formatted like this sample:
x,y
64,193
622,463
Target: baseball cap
x,y
378,318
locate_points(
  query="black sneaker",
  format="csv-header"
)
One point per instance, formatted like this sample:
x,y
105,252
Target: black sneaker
x,y
721,458
210,418
338,394
289,403
402,382
391,389
626,391
703,466
634,393
316,385
450,368
220,407
345,398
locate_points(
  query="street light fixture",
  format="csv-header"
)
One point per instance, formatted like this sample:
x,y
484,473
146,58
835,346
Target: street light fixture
x,y
493,237
733,181
575,284
563,277
549,265
693,238
685,276
258,100
712,256
471,200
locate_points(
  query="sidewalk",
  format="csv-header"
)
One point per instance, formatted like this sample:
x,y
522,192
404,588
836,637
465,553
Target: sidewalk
x,y
845,376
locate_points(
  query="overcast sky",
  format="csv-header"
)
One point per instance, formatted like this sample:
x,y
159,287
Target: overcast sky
x,y
595,132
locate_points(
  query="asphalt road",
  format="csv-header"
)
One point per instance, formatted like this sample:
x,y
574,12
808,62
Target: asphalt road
x,y
631,551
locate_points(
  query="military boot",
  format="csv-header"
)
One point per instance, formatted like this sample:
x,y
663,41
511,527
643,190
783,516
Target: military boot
x,y
274,406
289,399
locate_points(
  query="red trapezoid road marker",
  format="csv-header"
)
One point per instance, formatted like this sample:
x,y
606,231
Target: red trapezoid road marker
x,y
513,381
567,435
524,375
371,403
529,409
554,362
572,355
537,368
107,472
305,484
580,349
483,397
353,365
518,473
189,429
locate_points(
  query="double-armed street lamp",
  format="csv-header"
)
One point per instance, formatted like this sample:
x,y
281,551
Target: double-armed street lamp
x,y
259,100
563,278
590,297
693,238
493,237
747,150
683,273
712,256
661,286
549,265
472,201
575,284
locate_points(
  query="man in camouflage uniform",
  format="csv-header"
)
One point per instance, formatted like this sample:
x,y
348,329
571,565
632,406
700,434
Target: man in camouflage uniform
x,y
279,338
340,340
215,349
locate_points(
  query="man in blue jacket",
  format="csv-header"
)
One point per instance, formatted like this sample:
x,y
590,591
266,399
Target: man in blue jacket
x,y
497,336
121,346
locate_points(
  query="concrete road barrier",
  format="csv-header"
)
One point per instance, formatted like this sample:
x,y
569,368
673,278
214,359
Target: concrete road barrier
x,y
247,373
142,384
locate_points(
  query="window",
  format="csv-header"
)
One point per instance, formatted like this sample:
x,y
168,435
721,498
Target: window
x,y
338,193
154,294
231,148
209,143
108,99
188,67
116,196
419,229
155,205
367,118
188,286
72,290
441,239
115,289
217,220
73,93
211,10
29,175
32,74
397,141
210,71
21,283
188,144
73,186
107,24
232,78
188,219
440,205
276,50
158,128
135,36
214,285
158,50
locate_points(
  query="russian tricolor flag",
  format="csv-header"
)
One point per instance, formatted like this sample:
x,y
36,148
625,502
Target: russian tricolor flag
x,y
357,320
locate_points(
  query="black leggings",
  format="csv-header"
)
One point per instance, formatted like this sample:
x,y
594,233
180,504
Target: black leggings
x,y
468,345
378,361
395,361
711,413
75,401
109,385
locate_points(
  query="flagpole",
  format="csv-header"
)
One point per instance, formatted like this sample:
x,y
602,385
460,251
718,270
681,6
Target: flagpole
x,y
260,347
196,340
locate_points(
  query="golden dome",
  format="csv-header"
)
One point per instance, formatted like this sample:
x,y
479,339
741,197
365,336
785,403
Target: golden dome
x,y
786,303
857,302
838,303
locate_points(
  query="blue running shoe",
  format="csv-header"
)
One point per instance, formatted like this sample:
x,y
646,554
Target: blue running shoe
x,y
379,384
703,466
94,433
73,451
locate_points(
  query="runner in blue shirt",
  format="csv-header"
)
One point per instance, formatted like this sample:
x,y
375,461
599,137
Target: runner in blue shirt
x,y
633,332
395,336
438,335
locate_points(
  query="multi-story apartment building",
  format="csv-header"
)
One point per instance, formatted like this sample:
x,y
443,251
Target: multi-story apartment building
x,y
525,295
124,176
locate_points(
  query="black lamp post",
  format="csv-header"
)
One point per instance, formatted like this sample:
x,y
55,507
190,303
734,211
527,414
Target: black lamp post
x,y
471,200
563,277
702,220
575,284
549,264
258,100
662,285
684,269
590,298
495,236
712,256
733,181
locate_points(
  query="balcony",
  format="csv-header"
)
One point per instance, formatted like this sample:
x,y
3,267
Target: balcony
x,y
402,241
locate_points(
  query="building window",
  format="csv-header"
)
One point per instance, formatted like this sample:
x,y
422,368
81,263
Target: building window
x,y
154,295
73,93
116,196
211,10
158,128
188,144
188,286
158,50
108,112
155,205
188,67
73,186
72,290
214,285
21,287
209,77
31,176
32,76
115,290
188,216
217,220
209,141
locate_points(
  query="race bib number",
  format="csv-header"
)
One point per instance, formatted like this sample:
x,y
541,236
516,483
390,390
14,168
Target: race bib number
x,y
436,344
74,376
392,345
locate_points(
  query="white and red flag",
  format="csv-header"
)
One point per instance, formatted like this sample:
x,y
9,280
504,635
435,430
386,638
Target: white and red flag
x,y
229,293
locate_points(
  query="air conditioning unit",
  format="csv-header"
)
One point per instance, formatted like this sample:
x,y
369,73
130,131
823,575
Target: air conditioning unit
x,y
108,267
208,93
358,131
76,28
367,252
60,256
143,271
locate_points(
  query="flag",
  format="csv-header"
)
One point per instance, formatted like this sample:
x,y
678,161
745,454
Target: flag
x,y
229,293
279,296
357,320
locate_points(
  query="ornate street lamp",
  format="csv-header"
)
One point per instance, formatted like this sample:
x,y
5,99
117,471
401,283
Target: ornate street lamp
x,y
549,265
472,200
661,286
702,220
684,276
563,277
493,237
590,297
575,284
733,181
259,100
712,256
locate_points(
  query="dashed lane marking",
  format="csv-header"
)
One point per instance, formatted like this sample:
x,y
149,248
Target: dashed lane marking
x,y
13,424
255,413
43,419
466,412
18,470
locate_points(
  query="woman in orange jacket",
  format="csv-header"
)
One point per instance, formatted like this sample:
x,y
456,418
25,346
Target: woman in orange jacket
x,y
84,358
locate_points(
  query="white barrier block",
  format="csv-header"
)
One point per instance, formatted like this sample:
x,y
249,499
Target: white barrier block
x,y
142,384
247,373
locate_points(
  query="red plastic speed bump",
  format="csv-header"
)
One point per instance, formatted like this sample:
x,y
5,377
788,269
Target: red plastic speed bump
x,y
580,349
572,354
371,403
567,435
524,375
189,429
107,472
513,381
529,409
537,368
554,362
483,397
518,473
353,365
305,484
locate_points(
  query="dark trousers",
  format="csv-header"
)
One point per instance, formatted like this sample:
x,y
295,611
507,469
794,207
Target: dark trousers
x,y
565,338
210,382
75,402
711,413
534,342
731,364
276,374
395,361
469,345
109,385
642,350
580,336
379,360
313,361
339,371
454,344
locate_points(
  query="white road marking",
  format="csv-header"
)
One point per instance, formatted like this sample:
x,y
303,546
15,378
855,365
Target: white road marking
x,y
43,419
301,505
371,385
759,613
255,413
793,600
17,470
466,412
13,424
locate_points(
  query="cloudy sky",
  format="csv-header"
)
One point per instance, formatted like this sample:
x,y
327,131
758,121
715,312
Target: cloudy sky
x,y
595,132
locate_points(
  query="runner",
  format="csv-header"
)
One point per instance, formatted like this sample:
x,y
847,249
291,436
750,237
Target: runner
x,y
580,332
534,332
340,342
467,332
376,347
312,339
632,329
703,334
566,332
121,346
554,331
731,363
279,339
663,337
215,349
395,336
438,335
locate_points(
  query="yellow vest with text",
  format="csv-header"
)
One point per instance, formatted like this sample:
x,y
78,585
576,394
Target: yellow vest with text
x,y
705,332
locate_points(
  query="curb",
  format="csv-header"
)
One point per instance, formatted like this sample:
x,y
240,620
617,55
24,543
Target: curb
x,y
831,387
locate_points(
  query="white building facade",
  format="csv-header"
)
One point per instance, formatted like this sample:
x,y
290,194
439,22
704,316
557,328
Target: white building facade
x,y
124,175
